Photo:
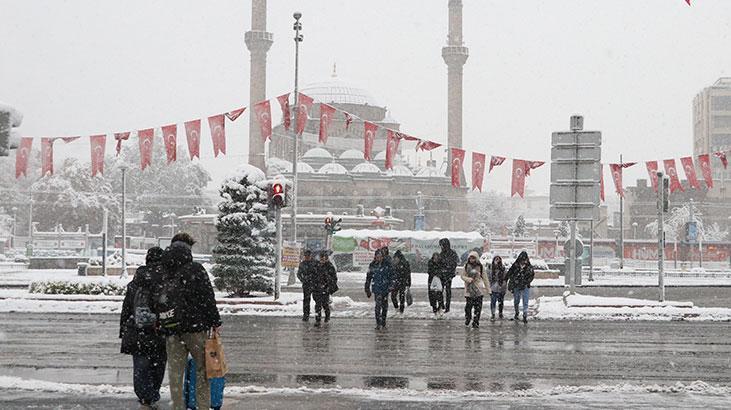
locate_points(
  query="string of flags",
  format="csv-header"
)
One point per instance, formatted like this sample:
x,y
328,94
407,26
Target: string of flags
x,y
262,111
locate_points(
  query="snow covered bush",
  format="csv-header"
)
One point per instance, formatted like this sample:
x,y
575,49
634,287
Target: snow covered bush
x,y
244,257
77,288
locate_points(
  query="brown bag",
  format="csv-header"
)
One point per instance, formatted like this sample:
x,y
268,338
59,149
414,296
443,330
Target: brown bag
x,y
215,360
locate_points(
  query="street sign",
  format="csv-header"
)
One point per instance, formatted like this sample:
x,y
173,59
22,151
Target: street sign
x,y
290,255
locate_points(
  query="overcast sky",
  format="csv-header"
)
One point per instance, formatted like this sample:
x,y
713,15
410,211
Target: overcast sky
x,y
631,68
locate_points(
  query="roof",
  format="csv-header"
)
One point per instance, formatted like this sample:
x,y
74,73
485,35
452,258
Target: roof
x,y
352,154
429,172
401,170
317,152
336,90
365,168
333,168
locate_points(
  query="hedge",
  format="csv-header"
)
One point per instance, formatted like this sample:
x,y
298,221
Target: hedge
x,y
77,288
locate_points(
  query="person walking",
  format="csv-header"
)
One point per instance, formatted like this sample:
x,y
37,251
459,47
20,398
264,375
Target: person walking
x,y
379,282
436,294
138,329
475,284
324,283
520,276
305,273
402,282
448,261
187,307
497,277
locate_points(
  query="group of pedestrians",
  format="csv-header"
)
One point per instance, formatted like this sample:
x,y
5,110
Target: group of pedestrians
x,y
319,281
168,312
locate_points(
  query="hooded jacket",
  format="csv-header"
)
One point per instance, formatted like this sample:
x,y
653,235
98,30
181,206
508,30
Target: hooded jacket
x,y
402,271
520,277
474,277
498,278
448,260
135,341
380,278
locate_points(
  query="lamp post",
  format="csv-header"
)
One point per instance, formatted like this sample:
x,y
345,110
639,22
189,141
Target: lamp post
x,y
634,230
295,151
556,232
123,168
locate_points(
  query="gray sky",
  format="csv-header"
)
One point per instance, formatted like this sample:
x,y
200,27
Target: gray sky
x,y
631,68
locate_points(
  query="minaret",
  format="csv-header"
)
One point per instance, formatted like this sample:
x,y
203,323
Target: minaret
x,y
258,41
454,55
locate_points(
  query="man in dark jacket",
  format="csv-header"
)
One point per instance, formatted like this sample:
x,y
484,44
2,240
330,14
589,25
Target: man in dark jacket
x,y
448,261
139,334
520,275
323,284
379,282
305,273
402,281
191,313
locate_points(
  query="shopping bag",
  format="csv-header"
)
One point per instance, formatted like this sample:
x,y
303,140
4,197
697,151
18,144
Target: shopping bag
x,y
409,298
436,284
215,359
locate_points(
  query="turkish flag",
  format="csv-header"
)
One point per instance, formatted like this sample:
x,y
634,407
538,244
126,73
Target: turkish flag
x,y
233,115
532,165
119,137
348,120
672,172
495,161
21,156
46,156
478,170
617,177
193,135
517,185
97,143
456,167
69,139
392,143
652,171
326,116
425,145
286,113
263,112
690,174
304,103
722,156
170,136
705,161
217,124
369,135
146,142
601,181
406,137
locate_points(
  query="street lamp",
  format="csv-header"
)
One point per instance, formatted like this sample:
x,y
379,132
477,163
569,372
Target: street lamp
x,y
556,232
12,231
123,168
297,27
634,230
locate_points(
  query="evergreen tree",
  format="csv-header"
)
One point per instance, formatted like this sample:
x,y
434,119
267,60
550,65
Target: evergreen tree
x,y
244,258
519,229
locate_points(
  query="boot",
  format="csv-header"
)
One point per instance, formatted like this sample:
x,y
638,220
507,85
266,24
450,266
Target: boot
x,y
525,318
492,317
327,317
516,316
305,318
317,321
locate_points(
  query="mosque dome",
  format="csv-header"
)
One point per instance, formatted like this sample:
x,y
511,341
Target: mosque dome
x,y
366,168
336,90
304,168
352,154
333,168
401,171
381,156
317,153
277,166
429,172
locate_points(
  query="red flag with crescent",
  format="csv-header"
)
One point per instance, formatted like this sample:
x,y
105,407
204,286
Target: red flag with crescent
x,y
263,112
722,156
47,156
170,137
304,103
217,124
478,170
193,135
652,171
672,173
146,141
286,114
616,170
532,165
98,144
369,135
456,167
392,143
517,184
326,116
705,161
601,182
21,156
495,161
425,145
348,120
119,137
233,115
690,174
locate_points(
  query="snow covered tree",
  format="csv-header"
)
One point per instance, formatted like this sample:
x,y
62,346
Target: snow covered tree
x,y
519,228
245,256
489,211
674,225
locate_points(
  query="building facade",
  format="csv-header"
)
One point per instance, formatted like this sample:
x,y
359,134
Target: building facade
x,y
712,130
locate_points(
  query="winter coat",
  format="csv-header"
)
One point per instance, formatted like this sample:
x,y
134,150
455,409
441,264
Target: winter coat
x,y
433,270
197,301
306,271
402,272
380,278
498,279
324,280
141,342
475,280
448,261
520,278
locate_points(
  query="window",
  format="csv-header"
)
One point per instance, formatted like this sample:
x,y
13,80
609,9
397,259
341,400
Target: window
x,y
721,103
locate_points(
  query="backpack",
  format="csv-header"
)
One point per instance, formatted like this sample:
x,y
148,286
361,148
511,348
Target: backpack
x,y
144,316
167,303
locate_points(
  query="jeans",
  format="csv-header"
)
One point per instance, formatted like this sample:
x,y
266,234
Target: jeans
x,y
476,305
322,301
398,297
178,347
498,298
521,294
381,309
148,374
306,298
447,293
436,300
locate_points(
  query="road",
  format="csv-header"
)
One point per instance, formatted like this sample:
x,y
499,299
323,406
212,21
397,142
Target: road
x,y
357,366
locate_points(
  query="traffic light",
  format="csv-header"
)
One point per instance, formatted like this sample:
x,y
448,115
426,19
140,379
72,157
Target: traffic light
x,y
328,224
336,225
277,196
665,194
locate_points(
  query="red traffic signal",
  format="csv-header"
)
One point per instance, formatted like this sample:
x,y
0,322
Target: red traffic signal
x,y
276,195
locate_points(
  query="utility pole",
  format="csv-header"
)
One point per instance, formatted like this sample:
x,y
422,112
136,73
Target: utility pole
x,y
278,264
591,253
621,221
124,221
105,229
295,151
29,245
661,200
691,219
